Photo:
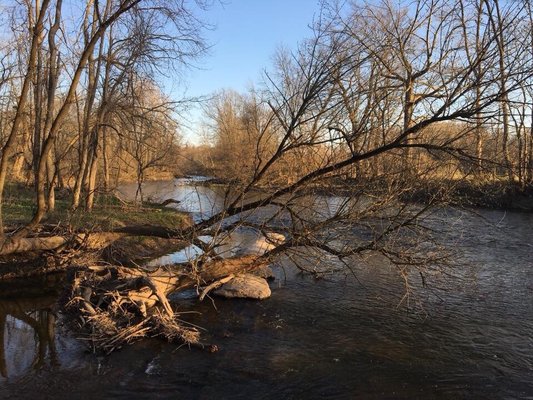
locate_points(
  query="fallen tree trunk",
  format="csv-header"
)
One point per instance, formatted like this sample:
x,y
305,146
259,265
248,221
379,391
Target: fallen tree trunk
x,y
118,305
94,240
21,245
47,243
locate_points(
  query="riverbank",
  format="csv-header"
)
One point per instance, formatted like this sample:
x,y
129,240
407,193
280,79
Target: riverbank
x,y
109,212
108,215
492,195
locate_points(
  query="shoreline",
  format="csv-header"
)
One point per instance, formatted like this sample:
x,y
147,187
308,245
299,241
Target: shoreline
x,y
489,196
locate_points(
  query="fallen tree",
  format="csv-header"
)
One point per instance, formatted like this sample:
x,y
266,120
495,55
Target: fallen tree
x,y
46,241
348,104
116,305
23,245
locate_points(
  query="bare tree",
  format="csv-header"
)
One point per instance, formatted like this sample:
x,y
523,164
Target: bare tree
x,y
150,137
149,36
325,99
394,92
22,101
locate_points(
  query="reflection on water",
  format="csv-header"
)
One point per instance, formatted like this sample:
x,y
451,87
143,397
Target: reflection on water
x,y
28,325
240,242
199,200
337,338
30,339
27,335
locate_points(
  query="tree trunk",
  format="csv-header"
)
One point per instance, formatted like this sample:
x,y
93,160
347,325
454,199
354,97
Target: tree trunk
x,y
16,171
91,184
62,113
105,160
498,26
21,245
53,76
52,177
409,103
23,100
38,108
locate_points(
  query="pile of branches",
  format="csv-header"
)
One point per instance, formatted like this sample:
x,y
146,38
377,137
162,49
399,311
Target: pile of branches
x,y
114,306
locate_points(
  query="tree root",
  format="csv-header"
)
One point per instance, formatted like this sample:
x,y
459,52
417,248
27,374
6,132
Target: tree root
x,y
113,306
112,311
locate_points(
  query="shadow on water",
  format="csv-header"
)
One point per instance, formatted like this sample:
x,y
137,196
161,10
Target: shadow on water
x,y
334,338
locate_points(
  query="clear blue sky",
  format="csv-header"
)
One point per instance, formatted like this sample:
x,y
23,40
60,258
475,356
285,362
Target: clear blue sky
x,y
246,36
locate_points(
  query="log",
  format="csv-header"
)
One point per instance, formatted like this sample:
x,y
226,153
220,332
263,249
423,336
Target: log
x,y
93,241
21,245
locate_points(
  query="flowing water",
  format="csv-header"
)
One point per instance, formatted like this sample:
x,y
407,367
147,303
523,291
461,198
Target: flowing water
x,y
343,337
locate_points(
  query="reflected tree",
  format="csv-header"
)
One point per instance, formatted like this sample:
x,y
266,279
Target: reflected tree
x,y
37,315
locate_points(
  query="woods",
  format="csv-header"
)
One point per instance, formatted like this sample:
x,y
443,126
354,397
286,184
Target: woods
x,y
380,102
433,78
83,106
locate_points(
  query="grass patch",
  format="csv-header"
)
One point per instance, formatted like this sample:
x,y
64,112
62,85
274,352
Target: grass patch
x,y
108,212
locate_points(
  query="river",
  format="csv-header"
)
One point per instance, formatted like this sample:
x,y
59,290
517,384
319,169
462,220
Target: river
x,y
342,337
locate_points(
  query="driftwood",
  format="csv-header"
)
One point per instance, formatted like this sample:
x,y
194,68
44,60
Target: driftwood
x,y
117,305
114,305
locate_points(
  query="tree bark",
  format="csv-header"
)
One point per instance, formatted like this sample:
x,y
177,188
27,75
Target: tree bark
x,y
21,245
89,101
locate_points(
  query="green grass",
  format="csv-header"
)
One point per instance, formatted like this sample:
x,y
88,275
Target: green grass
x,y
108,212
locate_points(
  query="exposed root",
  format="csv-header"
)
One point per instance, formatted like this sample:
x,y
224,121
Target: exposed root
x,y
135,308
113,306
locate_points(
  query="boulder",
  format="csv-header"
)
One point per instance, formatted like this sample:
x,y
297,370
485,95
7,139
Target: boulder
x,y
245,286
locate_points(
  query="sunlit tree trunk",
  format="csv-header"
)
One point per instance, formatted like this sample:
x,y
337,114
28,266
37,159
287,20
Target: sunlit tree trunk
x,y
64,110
100,117
92,75
53,77
38,88
22,102
498,23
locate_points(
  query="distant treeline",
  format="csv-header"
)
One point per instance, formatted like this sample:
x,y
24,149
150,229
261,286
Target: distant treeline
x,y
425,89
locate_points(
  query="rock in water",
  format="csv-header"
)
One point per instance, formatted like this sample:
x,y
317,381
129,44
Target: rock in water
x,y
245,286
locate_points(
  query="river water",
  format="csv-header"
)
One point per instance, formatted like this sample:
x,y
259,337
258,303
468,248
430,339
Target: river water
x,y
470,335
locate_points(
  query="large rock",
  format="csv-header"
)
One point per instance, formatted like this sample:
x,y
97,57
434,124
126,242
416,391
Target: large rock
x,y
245,286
